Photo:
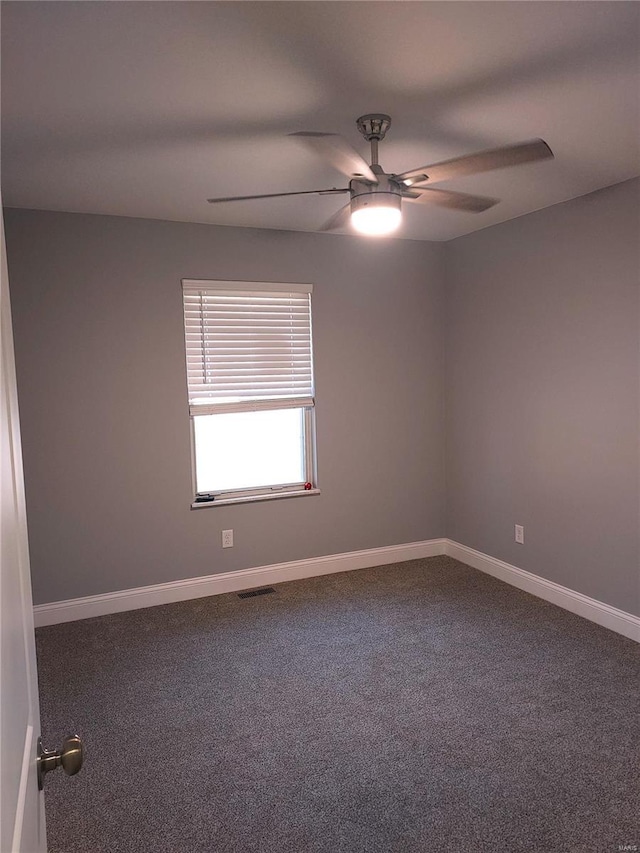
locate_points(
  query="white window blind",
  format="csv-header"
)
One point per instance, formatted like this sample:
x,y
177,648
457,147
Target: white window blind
x,y
248,346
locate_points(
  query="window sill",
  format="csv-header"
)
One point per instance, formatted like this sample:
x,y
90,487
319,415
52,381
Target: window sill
x,y
251,498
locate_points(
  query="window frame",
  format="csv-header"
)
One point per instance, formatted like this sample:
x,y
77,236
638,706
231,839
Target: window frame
x,y
285,490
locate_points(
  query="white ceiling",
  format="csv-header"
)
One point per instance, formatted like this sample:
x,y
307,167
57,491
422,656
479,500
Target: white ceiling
x,y
146,109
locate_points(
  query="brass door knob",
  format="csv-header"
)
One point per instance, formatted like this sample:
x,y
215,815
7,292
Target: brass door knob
x,y
70,758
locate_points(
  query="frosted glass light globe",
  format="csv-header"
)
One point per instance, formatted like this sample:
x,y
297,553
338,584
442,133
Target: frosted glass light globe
x,y
376,220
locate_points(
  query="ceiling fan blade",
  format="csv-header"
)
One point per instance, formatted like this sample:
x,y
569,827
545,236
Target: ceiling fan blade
x,y
482,161
340,219
446,198
332,191
341,154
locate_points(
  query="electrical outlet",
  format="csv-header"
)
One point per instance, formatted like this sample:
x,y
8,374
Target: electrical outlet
x,y
227,538
520,534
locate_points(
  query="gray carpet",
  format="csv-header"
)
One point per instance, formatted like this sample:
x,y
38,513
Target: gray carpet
x,y
415,708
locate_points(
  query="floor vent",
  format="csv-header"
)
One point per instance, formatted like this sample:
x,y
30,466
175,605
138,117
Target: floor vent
x,y
252,592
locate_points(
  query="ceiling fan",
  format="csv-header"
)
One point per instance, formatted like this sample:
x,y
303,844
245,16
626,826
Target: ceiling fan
x,y
376,196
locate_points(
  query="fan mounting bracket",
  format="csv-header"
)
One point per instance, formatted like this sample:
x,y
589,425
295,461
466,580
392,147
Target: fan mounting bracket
x,y
373,126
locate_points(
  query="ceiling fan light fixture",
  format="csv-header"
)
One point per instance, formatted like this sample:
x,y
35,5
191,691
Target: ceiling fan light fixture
x,y
376,214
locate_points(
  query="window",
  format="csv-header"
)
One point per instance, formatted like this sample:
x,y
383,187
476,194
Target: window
x,y
250,384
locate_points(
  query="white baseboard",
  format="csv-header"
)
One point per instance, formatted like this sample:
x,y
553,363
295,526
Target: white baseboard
x,y
590,608
181,590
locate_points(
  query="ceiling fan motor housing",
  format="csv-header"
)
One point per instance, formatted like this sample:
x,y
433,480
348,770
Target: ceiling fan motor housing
x,y
367,196
386,193
375,199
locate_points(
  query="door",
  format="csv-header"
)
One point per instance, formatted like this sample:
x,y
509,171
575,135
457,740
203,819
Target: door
x,y
22,825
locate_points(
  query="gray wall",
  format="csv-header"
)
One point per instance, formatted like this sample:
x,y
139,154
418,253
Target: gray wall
x,y
542,379
99,350
540,317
